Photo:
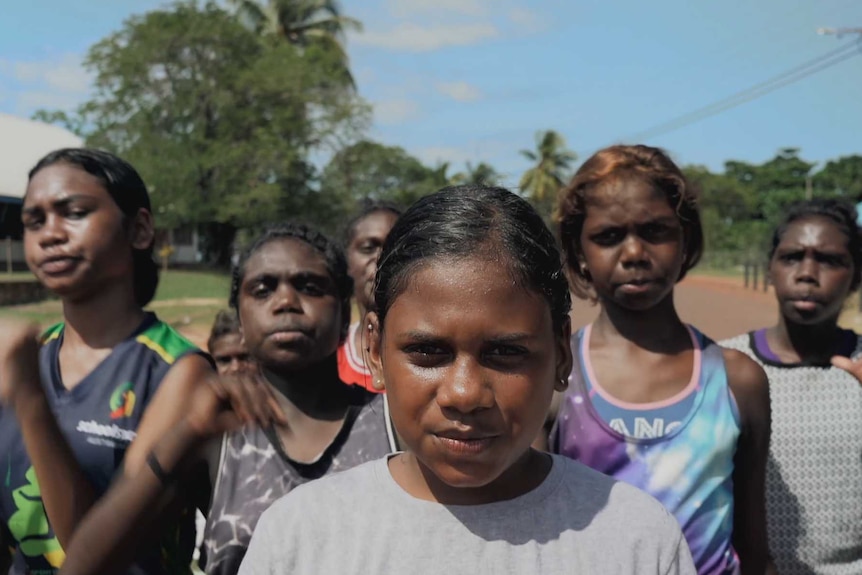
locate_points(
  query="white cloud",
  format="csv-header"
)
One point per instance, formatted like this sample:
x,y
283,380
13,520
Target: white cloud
x,y
416,38
66,74
527,20
406,8
52,83
459,91
395,111
31,100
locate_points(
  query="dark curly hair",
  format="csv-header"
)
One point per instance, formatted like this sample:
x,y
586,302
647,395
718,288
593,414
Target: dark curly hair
x,y
461,221
332,253
841,213
648,164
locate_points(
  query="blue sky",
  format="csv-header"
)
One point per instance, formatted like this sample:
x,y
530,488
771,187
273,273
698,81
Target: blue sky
x,y
461,80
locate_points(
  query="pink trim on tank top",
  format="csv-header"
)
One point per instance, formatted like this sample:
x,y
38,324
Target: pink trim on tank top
x,y
690,388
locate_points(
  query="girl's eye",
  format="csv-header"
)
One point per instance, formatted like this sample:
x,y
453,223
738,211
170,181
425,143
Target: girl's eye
x,y
507,350
506,355
424,349
790,257
833,261
608,237
656,232
311,288
32,224
368,249
260,290
426,355
76,214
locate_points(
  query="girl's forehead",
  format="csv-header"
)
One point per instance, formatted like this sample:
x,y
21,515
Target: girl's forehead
x,y
62,180
624,190
814,230
286,254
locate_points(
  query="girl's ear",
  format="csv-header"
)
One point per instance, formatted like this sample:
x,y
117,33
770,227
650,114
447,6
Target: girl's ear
x,y
564,355
373,349
142,230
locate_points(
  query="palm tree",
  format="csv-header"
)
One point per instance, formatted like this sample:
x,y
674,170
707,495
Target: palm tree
x,y
552,163
480,174
302,23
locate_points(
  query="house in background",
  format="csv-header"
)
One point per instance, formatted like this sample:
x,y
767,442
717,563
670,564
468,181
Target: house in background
x,y
24,142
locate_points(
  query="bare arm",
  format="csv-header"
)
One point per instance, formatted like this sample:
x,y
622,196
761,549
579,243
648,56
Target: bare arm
x,y
56,466
67,493
134,508
751,389
140,503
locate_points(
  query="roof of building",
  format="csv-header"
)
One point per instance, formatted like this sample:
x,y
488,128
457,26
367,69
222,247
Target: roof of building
x,y
23,142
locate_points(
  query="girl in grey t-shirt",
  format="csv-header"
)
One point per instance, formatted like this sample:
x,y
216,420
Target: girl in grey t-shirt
x,y
470,338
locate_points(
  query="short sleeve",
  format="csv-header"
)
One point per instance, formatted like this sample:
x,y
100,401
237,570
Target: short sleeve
x,y
265,553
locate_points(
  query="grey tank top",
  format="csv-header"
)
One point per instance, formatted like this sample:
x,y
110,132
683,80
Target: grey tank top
x,y
254,472
814,470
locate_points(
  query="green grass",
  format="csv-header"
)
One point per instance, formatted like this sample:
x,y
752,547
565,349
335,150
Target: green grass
x,y
209,288
16,277
179,284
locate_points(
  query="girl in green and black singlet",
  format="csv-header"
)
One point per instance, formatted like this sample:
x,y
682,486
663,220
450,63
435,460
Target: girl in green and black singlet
x,y
113,379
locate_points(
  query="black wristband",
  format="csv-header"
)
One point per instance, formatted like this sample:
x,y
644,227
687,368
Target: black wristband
x,y
165,478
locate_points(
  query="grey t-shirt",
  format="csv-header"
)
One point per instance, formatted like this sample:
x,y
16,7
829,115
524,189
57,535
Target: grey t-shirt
x,y
361,521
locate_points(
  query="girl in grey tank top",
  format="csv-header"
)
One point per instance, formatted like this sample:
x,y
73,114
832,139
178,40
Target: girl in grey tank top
x,y
814,472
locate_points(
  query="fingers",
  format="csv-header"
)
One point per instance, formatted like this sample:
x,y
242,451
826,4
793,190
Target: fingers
x,y
842,362
252,400
853,367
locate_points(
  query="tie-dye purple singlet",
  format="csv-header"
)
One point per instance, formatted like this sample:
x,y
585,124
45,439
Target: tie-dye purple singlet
x,y
689,469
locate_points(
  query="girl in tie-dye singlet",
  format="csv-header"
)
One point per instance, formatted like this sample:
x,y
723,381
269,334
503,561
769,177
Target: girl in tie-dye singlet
x,y
652,401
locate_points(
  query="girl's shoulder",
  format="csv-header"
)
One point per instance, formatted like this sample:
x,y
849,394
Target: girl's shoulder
x,y
165,341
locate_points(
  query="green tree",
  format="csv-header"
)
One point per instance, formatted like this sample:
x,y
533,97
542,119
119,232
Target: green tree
x,y
219,123
481,173
551,166
841,178
306,23
373,170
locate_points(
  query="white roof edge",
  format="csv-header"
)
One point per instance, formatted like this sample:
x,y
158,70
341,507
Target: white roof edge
x,y
23,142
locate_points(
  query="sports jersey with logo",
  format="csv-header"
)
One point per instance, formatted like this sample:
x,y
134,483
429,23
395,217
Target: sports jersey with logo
x,y
99,418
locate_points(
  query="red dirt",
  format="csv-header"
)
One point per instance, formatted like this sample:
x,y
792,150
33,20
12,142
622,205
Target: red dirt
x,y
720,307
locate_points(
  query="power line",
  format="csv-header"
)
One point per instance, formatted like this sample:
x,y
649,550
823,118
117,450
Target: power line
x,y
786,78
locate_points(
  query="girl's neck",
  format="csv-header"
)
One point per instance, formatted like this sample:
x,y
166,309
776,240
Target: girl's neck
x,y
793,342
525,475
102,320
315,392
656,328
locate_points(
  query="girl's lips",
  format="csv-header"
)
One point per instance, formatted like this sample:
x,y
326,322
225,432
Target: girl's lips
x,y
466,445
805,305
635,287
59,265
